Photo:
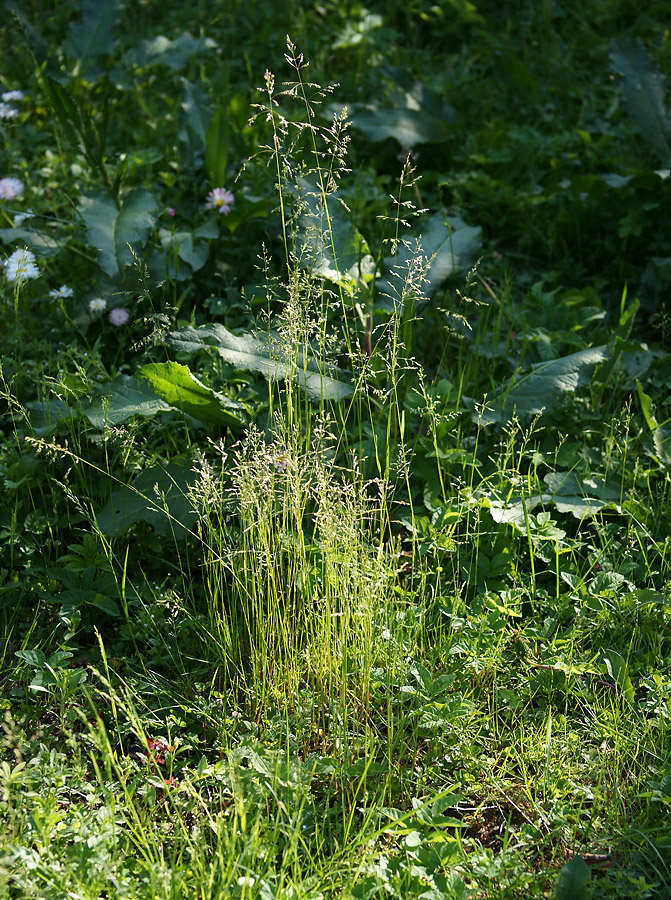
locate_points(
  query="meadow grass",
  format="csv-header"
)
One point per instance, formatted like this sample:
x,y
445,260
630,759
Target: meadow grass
x,y
335,546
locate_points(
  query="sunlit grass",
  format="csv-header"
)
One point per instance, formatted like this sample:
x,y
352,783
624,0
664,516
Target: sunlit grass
x,y
335,605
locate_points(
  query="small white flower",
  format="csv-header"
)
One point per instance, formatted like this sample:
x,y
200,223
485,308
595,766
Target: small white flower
x,y
246,881
119,316
97,305
10,188
7,111
12,95
63,292
21,266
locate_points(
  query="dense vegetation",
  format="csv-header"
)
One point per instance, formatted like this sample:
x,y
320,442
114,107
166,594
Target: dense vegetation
x,y
335,543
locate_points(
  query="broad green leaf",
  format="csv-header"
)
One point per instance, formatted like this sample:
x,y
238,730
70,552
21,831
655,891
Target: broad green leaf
x,y
40,679
176,385
106,604
175,54
163,264
647,595
438,716
194,254
111,230
616,181
568,492
123,399
197,112
606,584
265,354
617,668
42,243
408,127
76,127
572,880
356,32
512,510
542,388
661,436
159,496
90,36
662,441
207,230
58,657
581,496
519,74
643,92
441,684
447,246
246,209
327,243
422,675
646,407
216,148
32,657
182,244
50,412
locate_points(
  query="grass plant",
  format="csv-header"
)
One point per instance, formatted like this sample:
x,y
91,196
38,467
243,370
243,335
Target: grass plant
x,y
334,543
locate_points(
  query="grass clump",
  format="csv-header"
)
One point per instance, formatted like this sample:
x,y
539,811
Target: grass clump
x,y
334,544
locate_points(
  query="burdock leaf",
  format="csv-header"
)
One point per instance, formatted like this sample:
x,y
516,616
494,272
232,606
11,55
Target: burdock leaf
x,y
91,35
265,354
581,495
159,496
197,112
643,94
448,246
408,127
123,399
111,230
328,244
176,385
542,388
175,54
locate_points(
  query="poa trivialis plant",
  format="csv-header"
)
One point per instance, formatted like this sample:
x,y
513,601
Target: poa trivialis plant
x,y
346,575
298,575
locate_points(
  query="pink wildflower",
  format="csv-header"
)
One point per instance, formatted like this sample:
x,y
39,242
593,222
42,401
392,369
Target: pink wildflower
x,y
10,188
220,199
119,316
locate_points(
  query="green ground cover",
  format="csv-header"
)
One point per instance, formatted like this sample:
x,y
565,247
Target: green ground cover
x,y
334,536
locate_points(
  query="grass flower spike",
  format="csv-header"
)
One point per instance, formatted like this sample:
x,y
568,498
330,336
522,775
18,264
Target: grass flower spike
x,y
10,188
21,266
220,199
